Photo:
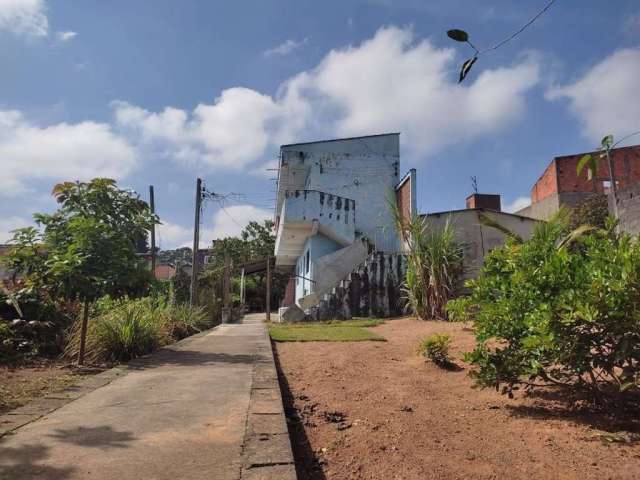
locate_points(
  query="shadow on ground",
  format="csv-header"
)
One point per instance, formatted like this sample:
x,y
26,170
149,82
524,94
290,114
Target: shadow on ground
x,y
308,465
557,404
187,358
98,437
29,461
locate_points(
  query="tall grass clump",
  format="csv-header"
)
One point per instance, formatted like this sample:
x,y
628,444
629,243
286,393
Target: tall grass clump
x,y
120,330
434,266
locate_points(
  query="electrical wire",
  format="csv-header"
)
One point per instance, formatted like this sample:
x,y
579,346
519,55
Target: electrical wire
x,y
517,32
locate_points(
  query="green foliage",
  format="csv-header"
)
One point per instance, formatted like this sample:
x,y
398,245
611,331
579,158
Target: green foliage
x,y
256,242
592,211
436,348
560,309
88,247
30,326
434,266
122,329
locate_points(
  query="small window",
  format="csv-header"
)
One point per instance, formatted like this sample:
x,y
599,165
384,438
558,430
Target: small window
x,y
307,262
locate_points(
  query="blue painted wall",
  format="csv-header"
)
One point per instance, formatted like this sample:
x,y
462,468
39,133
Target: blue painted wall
x,y
316,246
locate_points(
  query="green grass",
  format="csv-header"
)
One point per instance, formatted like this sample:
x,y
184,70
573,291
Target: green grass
x,y
333,331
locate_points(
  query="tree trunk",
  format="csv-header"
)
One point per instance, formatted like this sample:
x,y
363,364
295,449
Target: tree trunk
x,y
83,332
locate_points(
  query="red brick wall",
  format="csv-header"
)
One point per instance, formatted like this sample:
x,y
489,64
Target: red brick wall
x,y
290,293
484,200
626,166
403,199
546,184
561,176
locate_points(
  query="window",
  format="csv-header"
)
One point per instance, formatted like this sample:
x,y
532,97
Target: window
x,y
307,262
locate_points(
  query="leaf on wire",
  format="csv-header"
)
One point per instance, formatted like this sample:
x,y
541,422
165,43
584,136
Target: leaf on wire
x,y
466,66
458,35
607,142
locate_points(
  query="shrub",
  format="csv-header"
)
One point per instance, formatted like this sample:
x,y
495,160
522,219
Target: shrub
x,y
182,321
560,309
123,329
436,348
434,266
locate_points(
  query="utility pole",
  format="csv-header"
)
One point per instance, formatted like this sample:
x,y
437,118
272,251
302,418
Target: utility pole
x,y
242,287
152,206
268,299
193,297
226,290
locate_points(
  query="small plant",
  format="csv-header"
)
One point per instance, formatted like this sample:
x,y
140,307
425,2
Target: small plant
x,y
436,348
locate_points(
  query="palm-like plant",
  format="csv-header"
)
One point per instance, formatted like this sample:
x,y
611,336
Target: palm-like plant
x,y
434,265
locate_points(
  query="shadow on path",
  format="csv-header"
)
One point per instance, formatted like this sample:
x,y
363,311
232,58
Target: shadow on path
x,y
187,358
22,463
308,466
100,437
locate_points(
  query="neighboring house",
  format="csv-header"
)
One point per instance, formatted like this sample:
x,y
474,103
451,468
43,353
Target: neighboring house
x,y
473,232
333,210
164,272
560,184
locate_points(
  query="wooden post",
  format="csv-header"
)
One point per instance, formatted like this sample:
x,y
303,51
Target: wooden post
x,y
152,206
226,290
268,299
193,297
83,332
242,288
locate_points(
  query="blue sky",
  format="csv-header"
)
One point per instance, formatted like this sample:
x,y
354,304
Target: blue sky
x,y
162,92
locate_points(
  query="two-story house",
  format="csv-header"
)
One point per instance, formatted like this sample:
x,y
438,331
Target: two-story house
x,y
333,209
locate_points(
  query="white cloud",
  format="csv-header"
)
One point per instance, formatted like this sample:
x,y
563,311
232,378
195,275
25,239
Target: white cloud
x,y
7,224
605,99
66,36
285,48
391,82
170,235
232,132
58,152
518,204
24,17
231,220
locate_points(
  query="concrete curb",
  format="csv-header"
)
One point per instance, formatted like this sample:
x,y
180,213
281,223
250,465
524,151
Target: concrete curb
x,y
267,453
42,406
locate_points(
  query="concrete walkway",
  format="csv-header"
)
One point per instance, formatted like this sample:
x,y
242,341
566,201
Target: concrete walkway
x,y
179,414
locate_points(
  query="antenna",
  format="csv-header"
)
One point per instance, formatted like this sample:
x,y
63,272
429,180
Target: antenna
x,y
474,183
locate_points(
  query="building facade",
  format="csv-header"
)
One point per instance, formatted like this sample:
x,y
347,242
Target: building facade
x,y
472,230
561,186
333,209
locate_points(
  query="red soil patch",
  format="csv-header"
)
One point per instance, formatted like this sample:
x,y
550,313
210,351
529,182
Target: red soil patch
x,y
375,410
19,385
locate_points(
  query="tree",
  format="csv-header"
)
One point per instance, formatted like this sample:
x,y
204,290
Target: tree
x,y
88,247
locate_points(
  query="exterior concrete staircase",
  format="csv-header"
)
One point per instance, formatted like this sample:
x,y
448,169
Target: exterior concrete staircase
x,y
373,289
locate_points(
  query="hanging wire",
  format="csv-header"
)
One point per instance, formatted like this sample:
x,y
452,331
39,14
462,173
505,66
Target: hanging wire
x,y
517,32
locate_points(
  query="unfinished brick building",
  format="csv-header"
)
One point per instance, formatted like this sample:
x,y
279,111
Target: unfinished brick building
x,y
560,185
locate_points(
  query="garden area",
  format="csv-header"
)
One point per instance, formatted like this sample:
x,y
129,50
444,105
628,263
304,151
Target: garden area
x,y
80,296
530,370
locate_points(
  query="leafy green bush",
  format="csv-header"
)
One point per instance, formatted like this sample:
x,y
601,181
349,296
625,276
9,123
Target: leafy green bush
x,y
436,348
560,309
30,326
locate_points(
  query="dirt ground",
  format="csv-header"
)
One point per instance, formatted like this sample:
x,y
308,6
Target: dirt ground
x,y
375,410
19,385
